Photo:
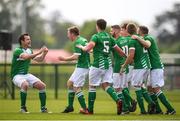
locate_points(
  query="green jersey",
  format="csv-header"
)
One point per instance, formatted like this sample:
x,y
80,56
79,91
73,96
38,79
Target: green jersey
x,y
84,58
19,65
154,53
141,57
122,42
102,50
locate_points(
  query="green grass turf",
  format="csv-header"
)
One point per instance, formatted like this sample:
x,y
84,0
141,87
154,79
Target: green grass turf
x,y
105,108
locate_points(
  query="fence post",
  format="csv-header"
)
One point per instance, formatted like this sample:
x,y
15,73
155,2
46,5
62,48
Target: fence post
x,y
56,80
13,91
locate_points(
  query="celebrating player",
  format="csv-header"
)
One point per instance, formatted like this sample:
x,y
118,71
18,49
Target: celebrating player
x,y
101,70
119,81
157,70
19,71
141,68
80,73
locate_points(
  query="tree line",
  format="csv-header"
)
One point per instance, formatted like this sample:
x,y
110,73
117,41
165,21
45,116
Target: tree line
x,y
52,31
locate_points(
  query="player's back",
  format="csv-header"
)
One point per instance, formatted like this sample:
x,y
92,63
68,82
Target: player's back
x,y
102,50
141,57
154,53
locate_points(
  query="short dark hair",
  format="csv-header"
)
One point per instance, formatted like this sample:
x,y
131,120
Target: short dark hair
x,y
101,23
124,25
74,30
115,27
144,29
131,28
21,37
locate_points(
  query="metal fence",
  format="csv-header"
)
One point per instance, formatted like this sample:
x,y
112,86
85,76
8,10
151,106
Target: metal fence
x,y
55,77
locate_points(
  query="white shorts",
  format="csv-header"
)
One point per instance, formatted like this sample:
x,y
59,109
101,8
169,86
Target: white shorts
x,y
19,79
79,77
98,76
126,83
130,74
156,78
119,80
140,76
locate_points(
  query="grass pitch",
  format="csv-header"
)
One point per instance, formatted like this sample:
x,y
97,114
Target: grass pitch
x,y
105,108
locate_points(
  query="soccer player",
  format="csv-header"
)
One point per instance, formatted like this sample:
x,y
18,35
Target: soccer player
x,y
119,80
19,71
77,79
157,70
128,99
141,67
101,70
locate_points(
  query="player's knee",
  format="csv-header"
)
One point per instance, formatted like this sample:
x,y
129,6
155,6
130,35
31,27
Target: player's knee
x,y
149,88
77,89
156,89
43,85
70,84
104,85
118,89
24,85
39,85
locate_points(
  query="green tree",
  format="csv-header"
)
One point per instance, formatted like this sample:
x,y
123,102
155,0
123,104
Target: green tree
x,y
88,29
167,25
10,19
58,29
7,14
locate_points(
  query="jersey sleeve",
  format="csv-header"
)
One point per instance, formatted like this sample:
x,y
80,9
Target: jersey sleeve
x,y
17,52
77,50
94,38
113,42
148,38
131,44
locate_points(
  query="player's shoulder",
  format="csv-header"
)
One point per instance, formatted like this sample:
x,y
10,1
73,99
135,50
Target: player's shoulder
x,y
80,40
83,39
18,49
95,35
149,37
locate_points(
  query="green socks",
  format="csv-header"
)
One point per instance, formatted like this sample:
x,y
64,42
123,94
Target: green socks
x,y
42,97
121,96
146,96
140,101
23,95
164,101
127,97
112,93
71,95
91,99
154,98
81,99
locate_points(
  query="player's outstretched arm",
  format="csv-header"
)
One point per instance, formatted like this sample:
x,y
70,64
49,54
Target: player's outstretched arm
x,y
88,47
145,43
41,57
69,58
27,56
120,51
129,60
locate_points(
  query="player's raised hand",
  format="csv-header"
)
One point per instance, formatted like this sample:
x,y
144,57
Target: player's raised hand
x,y
45,49
79,46
61,58
40,50
134,37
